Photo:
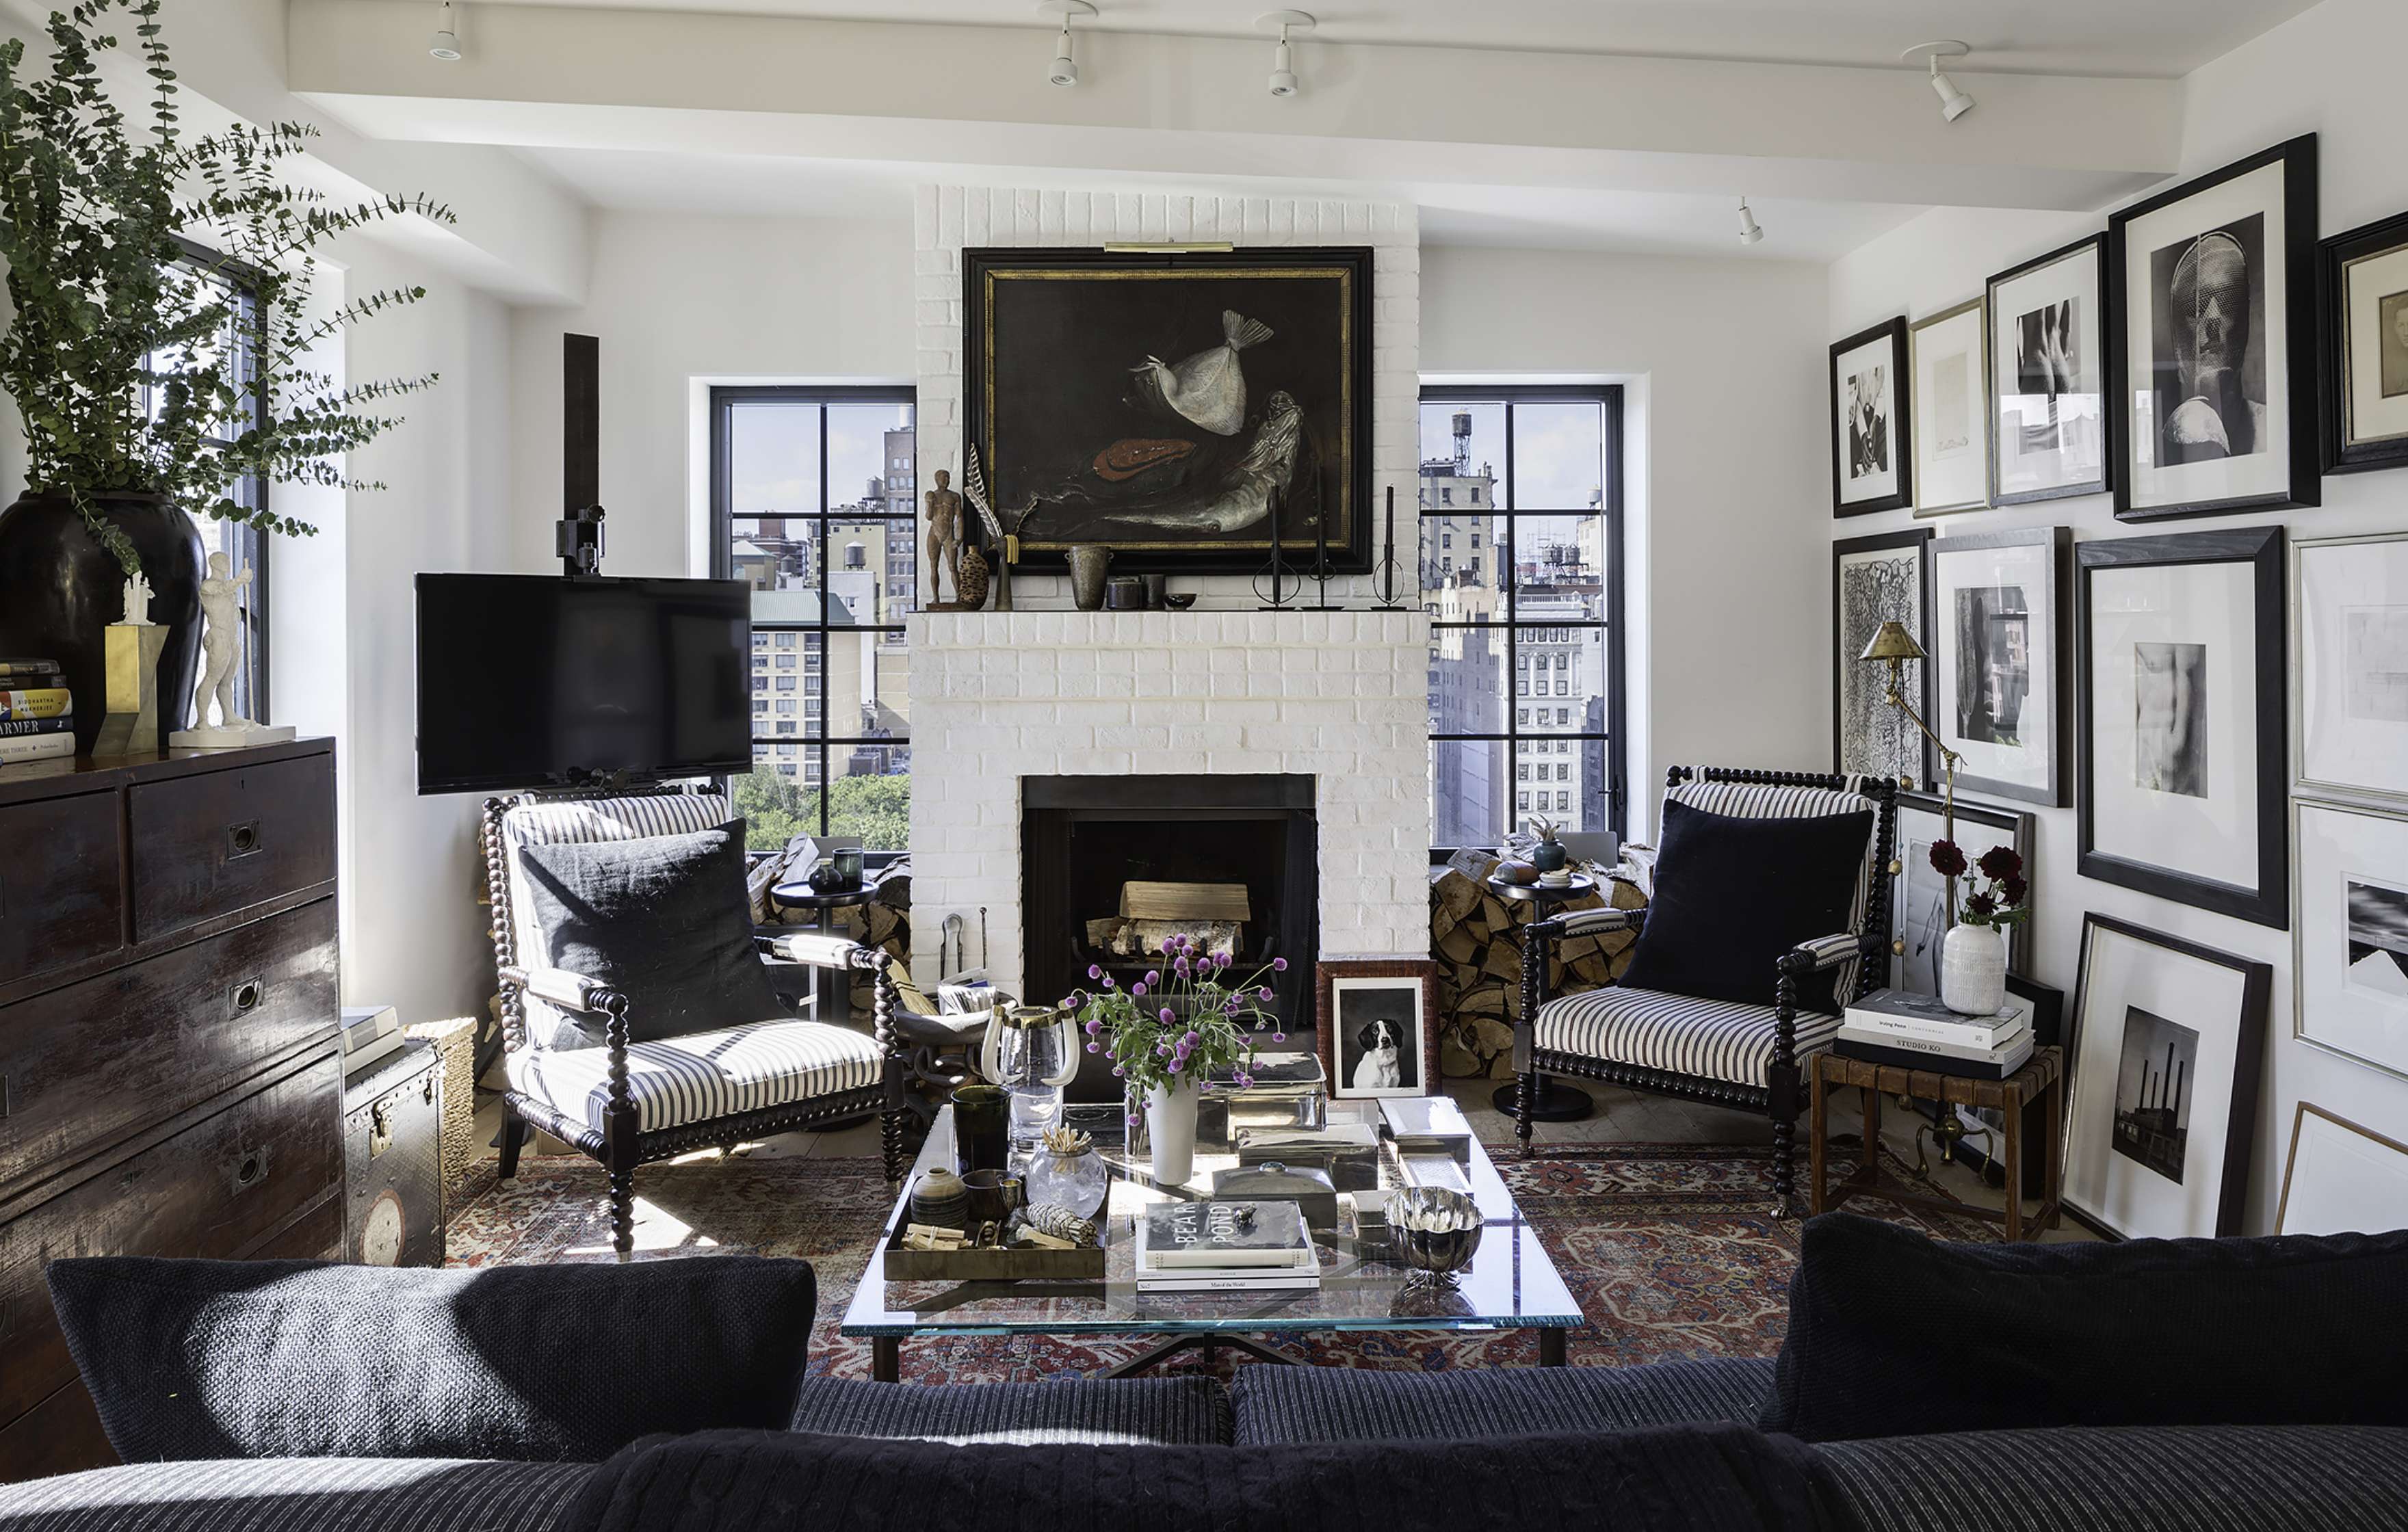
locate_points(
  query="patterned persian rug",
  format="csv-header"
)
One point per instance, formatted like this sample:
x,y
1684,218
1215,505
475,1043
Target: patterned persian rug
x,y
1672,1249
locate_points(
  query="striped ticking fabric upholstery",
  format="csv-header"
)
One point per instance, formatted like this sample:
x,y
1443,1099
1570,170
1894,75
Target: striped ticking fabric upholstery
x,y
577,820
694,1079
1105,1411
1716,1040
2133,1478
297,1495
1353,1404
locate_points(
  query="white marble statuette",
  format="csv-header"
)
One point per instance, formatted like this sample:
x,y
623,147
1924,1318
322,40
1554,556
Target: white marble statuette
x,y
137,603
221,642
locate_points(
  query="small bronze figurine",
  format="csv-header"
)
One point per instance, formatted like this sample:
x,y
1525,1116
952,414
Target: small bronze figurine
x,y
944,539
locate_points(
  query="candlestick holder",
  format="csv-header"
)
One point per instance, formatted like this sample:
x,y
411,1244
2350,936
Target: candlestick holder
x,y
1282,583
1384,589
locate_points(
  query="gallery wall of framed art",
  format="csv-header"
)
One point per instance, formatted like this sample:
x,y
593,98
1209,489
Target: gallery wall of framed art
x,y
2000,627
1885,577
1872,467
2048,375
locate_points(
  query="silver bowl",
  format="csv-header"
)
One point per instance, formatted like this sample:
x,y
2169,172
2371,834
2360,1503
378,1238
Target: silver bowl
x,y
1433,1230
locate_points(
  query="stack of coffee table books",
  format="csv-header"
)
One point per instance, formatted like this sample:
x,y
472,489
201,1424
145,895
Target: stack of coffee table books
x,y
1917,1032
1225,1246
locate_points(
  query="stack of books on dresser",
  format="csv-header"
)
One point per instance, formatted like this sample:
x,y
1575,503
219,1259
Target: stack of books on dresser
x,y
1917,1032
37,713
1225,1246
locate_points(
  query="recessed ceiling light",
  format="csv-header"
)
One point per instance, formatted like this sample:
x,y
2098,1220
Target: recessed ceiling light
x,y
445,44
1750,231
1281,22
1065,63
1954,103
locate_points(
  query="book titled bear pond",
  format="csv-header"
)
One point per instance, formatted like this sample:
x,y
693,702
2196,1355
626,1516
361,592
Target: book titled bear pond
x,y
1235,1245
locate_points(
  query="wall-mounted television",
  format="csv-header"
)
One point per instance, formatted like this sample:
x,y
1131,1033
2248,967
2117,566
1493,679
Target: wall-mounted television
x,y
541,680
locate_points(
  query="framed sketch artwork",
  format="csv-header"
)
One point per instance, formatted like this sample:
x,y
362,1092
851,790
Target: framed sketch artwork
x,y
1872,469
2213,360
2349,947
2182,675
1170,405
2165,1053
1919,895
2048,375
2350,615
1950,360
1376,1027
1875,579
2000,624
2362,303
2341,1179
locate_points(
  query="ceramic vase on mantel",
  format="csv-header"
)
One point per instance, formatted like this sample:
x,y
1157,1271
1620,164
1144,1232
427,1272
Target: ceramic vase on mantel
x,y
1170,1132
1974,970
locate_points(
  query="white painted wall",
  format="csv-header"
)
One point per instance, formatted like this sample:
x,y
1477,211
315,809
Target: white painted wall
x,y
679,303
2329,71
1726,541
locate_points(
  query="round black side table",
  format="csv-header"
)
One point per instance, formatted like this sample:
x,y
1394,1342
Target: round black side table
x,y
1557,1102
831,992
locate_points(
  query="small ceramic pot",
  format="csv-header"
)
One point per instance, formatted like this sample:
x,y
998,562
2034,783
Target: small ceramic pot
x,y
1549,856
1088,564
1974,970
1156,588
1125,592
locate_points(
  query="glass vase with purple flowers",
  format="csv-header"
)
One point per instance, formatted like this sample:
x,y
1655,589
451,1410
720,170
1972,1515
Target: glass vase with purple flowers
x,y
1172,1030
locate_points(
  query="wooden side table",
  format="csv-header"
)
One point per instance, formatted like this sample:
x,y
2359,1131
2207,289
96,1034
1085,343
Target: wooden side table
x,y
2043,1079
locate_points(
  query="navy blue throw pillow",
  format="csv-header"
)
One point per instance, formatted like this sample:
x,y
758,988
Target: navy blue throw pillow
x,y
1732,895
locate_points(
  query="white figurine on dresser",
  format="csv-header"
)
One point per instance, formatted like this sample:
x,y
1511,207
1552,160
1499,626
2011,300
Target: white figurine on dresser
x,y
220,643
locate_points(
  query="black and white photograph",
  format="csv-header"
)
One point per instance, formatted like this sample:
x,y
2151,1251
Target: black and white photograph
x,y
2152,1108
2001,618
2350,950
2048,377
1951,438
2164,1055
1919,894
2182,738
1882,578
2349,610
1170,408
2362,294
1993,669
1379,1030
2215,361
2170,718
1871,409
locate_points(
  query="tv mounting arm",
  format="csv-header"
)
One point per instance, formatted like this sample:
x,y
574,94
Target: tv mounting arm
x,y
577,538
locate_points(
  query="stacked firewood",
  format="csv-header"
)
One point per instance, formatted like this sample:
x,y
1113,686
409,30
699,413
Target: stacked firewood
x,y
1476,938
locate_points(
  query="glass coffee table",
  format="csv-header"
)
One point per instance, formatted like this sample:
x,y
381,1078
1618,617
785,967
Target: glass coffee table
x,y
1511,1284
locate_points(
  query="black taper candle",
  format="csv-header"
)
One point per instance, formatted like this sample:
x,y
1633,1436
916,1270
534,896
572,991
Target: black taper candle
x,y
1276,508
1388,551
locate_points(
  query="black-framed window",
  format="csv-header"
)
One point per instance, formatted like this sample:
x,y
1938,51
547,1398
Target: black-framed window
x,y
813,496
240,541
1522,576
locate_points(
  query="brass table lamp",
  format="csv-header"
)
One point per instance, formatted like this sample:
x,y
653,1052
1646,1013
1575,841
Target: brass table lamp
x,y
1894,644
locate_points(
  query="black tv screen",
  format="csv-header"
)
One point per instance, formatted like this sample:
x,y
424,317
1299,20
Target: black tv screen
x,y
533,681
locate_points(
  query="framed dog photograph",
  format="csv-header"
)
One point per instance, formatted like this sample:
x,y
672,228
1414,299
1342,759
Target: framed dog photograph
x,y
1377,1035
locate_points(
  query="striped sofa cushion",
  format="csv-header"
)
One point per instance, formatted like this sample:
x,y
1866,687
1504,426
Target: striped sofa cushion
x,y
2128,1478
1753,800
704,1075
1355,1403
1676,1033
299,1494
1099,1411
536,821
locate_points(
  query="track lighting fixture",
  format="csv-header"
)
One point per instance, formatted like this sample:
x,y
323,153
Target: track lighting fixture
x,y
1066,62
445,44
1281,22
1954,103
1750,232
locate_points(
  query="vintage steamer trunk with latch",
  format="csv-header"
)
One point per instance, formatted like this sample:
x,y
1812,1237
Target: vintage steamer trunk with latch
x,y
392,1160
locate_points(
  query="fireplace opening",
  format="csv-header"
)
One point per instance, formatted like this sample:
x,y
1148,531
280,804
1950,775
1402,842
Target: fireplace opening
x,y
1237,851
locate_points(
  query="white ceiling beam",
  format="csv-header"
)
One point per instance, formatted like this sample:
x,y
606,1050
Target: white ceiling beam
x,y
568,77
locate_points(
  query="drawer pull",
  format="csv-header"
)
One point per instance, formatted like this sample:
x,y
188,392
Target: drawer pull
x,y
247,996
249,1170
242,839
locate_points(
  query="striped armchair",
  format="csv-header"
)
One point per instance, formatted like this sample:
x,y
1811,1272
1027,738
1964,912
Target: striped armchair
x,y
1731,1055
627,1104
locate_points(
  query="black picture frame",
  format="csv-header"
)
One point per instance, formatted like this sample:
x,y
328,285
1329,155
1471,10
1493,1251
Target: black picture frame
x,y
2103,322
2058,540
2299,362
2266,901
2019,826
1902,402
1345,481
1843,655
2334,257
2240,1126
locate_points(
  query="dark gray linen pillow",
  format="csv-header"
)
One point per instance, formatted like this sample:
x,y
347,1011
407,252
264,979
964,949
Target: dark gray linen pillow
x,y
665,919
189,1360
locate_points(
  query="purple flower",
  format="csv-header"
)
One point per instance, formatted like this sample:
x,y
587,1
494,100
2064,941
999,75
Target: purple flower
x,y
1138,988
1132,1119
1095,1047
1245,1080
1119,1073
1182,965
1095,970
1191,1039
1107,983
1279,1037
1279,965
1223,959
1178,1064
1264,993
1095,1026
1169,1017
1153,976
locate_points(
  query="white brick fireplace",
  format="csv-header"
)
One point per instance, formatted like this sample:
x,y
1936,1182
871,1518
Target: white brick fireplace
x,y
1340,697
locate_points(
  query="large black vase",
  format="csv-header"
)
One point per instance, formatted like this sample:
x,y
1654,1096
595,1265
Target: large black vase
x,y
59,590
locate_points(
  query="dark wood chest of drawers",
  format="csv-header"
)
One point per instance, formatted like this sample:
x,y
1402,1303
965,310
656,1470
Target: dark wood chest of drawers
x,y
169,1074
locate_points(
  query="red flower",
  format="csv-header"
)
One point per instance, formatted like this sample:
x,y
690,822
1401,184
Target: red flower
x,y
1981,906
1947,860
2001,862
2013,888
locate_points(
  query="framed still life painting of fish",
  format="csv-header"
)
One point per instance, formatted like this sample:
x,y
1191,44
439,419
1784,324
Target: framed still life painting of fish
x,y
1175,405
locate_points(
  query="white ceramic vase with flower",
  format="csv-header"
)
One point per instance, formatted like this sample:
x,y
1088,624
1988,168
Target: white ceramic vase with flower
x,y
1973,955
